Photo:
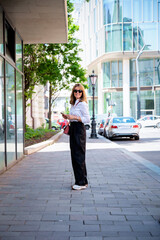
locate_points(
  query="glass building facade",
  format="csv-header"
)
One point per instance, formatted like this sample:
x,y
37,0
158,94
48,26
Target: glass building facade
x,y
11,97
116,31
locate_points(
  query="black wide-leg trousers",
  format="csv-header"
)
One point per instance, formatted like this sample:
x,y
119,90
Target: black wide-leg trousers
x,y
78,150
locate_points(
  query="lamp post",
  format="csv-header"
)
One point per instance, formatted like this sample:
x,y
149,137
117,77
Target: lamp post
x,y
93,79
138,83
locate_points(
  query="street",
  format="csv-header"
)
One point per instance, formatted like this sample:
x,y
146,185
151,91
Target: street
x,y
147,147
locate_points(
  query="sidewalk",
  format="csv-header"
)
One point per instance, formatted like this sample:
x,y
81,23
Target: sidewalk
x,y
122,201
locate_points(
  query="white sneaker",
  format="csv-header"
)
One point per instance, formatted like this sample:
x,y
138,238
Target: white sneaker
x,y
77,187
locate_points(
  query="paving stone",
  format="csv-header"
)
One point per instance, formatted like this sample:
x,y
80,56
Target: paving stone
x,y
122,200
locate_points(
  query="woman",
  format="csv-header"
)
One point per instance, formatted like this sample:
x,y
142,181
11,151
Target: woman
x,y
78,116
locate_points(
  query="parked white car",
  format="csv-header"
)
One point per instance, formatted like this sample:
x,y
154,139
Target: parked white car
x,y
123,127
149,121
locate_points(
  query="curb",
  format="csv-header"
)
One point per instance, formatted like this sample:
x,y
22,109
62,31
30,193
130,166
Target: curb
x,y
38,146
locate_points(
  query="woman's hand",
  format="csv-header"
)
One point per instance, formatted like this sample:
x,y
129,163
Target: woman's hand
x,y
64,115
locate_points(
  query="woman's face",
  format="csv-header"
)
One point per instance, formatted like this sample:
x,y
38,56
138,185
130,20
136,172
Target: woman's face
x,y
77,92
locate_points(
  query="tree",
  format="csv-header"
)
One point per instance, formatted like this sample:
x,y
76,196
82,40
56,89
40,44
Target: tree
x,y
58,64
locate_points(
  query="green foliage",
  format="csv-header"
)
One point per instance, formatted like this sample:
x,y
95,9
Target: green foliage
x,y
36,133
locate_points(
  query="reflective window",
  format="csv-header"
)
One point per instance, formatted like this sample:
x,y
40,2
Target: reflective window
x,y
147,10
112,11
147,34
10,113
146,72
158,10
2,156
157,102
1,31
18,52
120,74
113,103
114,74
95,20
127,37
133,104
113,38
137,10
135,38
147,102
19,104
127,11
155,18
106,75
132,74
157,71
159,36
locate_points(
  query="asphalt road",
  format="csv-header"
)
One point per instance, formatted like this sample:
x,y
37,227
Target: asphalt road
x,y
147,147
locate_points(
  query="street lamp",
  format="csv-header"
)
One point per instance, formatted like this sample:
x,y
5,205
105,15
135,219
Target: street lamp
x,y
138,83
93,79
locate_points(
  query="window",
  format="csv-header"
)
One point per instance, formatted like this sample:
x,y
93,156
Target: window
x,y
137,10
1,32
106,75
147,34
147,10
2,156
10,113
19,104
127,37
18,52
127,11
10,41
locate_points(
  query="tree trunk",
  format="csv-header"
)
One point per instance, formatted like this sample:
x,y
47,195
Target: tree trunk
x,y
50,105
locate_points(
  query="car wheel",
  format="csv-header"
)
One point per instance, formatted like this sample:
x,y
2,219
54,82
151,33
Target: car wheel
x,y
53,128
158,125
137,138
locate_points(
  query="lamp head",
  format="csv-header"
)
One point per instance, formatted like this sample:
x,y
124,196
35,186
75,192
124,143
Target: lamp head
x,y
93,78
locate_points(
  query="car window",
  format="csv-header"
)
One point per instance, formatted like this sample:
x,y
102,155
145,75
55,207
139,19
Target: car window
x,y
123,120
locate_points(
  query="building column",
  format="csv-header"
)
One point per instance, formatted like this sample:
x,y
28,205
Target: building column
x,y
100,88
126,87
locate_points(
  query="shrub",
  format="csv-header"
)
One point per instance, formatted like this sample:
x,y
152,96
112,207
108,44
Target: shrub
x,y
36,133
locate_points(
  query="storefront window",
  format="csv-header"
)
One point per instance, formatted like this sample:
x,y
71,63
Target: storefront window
x,y
133,104
114,74
1,31
137,10
120,74
146,72
147,102
157,71
113,103
2,156
132,74
18,52
19,104
10,113
157,102
127,37
106,75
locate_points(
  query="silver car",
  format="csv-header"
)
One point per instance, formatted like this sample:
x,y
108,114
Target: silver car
x,y
123,127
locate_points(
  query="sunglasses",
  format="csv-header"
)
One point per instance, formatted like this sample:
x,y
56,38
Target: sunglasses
x,y
75,91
